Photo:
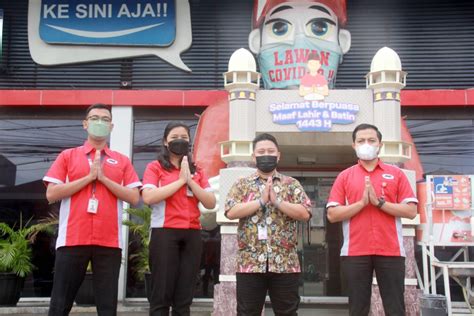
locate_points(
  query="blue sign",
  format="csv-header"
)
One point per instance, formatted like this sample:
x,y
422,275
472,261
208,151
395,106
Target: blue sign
x,y
313,115
443,185
108,22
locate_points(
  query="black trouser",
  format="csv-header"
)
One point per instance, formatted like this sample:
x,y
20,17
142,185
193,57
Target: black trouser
x,y
175,255
69,270
282,289
390,273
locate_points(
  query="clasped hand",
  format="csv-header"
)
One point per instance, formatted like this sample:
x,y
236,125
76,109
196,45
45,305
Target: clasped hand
x,y
96,168
369,195
185,173
268,193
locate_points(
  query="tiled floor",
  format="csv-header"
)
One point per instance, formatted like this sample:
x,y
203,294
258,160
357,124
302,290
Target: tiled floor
x,y
301,312
314,311
141,309
267,313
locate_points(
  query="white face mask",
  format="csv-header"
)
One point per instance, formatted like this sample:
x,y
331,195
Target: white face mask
x,y
366,152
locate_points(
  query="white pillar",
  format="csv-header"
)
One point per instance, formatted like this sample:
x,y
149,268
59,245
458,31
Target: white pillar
x,y
121,140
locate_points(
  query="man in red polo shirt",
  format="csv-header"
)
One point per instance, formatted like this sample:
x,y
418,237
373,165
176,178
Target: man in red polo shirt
x,y
370,198
92,182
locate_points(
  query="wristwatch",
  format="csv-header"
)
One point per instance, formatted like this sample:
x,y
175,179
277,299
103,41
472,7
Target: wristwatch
x,y
381,202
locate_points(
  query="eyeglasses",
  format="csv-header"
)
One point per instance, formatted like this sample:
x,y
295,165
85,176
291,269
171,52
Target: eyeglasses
x,y
96,118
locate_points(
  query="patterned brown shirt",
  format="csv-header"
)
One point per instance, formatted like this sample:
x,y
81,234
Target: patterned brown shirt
x,y
279,249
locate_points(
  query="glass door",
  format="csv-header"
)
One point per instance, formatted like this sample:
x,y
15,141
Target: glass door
x,y
319,242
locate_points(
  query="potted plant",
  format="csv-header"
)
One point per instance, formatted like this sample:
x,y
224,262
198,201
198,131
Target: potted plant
x,y
16,255
139,224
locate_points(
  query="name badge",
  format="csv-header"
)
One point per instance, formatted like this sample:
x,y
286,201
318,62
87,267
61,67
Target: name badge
x,y
93,206
262,232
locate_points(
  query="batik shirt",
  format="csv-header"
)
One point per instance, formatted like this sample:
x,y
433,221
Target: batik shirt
x,y
279,249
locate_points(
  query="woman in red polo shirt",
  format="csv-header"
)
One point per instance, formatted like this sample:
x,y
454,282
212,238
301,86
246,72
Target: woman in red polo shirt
x,y
173,186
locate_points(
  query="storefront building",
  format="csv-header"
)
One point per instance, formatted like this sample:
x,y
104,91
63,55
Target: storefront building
x,y
44,89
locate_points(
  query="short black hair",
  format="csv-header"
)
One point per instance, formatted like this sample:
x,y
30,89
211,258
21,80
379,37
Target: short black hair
x,y
262,137
99,106
362,127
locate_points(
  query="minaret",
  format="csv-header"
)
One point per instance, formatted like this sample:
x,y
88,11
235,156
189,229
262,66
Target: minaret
x,y
386,79
242,81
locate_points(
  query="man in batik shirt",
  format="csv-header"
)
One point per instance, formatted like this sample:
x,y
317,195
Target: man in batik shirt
x,y
268,206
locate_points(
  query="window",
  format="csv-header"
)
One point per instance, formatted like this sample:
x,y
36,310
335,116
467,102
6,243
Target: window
x,y
29,143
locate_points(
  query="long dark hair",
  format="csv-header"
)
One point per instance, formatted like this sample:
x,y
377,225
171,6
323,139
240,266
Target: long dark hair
x,y
164,154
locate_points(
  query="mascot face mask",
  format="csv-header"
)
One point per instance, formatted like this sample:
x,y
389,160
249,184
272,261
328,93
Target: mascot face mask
x,y
282,65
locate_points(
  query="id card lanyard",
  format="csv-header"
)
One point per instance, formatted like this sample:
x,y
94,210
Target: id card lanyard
x,y
93,204
262,228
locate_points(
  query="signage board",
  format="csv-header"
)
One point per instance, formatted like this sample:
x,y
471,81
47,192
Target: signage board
x,y
452,192
77,31
108,22
288,111
313,115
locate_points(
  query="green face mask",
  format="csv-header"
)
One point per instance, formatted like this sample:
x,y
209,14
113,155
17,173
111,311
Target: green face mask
x,y
98,129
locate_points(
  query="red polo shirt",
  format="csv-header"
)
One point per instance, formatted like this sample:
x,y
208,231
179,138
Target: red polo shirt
x,y
372,231
76,225
180,210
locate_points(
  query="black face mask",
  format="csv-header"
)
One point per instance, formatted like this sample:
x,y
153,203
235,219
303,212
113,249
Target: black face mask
x,y
179,147
266,164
